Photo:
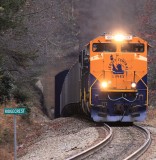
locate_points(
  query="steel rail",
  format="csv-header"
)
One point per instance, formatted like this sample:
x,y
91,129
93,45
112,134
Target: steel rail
x,y
135,155
94,148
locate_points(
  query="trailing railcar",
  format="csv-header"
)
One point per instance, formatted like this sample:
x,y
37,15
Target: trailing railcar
x,y
109,81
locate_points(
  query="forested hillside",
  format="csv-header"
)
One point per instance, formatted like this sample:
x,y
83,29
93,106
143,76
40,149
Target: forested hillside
x,y
40,38
16,73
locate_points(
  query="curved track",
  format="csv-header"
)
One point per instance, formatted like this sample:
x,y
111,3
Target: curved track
x,y
96,147
100,150
144,147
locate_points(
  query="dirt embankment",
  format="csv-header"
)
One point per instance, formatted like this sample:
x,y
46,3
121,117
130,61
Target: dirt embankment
x,y
29,127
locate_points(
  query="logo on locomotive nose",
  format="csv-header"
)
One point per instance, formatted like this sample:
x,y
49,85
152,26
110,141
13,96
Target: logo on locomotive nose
x,y
118,65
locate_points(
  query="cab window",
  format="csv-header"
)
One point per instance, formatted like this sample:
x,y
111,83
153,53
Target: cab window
x,y
132,47
104,47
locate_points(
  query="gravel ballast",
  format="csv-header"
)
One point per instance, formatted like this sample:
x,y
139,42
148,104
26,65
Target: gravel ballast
x,y
125,141
65,137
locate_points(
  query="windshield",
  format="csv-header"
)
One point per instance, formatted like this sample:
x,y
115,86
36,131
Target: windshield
x,y
132,47
104,47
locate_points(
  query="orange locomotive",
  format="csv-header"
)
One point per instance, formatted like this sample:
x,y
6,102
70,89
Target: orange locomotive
x,y
109,83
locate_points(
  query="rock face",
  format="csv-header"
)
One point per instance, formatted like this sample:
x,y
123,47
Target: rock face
x,y
57,30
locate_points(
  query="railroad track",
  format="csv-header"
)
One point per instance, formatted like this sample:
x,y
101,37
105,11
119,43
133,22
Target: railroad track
x,y
96,147
144,147
103,144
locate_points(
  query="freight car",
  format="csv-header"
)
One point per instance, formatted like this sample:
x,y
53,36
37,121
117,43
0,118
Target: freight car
x,y
108,82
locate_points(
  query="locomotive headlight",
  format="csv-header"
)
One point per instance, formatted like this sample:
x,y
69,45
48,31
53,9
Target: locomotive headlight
x,y
104,85
133,85
119,37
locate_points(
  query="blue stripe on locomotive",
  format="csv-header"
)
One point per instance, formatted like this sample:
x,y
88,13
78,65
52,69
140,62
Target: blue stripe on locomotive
x,y
128,101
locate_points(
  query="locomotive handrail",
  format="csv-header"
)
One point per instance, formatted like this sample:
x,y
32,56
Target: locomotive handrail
x,y
142,81
145,86
90,88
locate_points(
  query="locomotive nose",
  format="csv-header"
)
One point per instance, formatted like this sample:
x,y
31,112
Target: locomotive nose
x,y
119,109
